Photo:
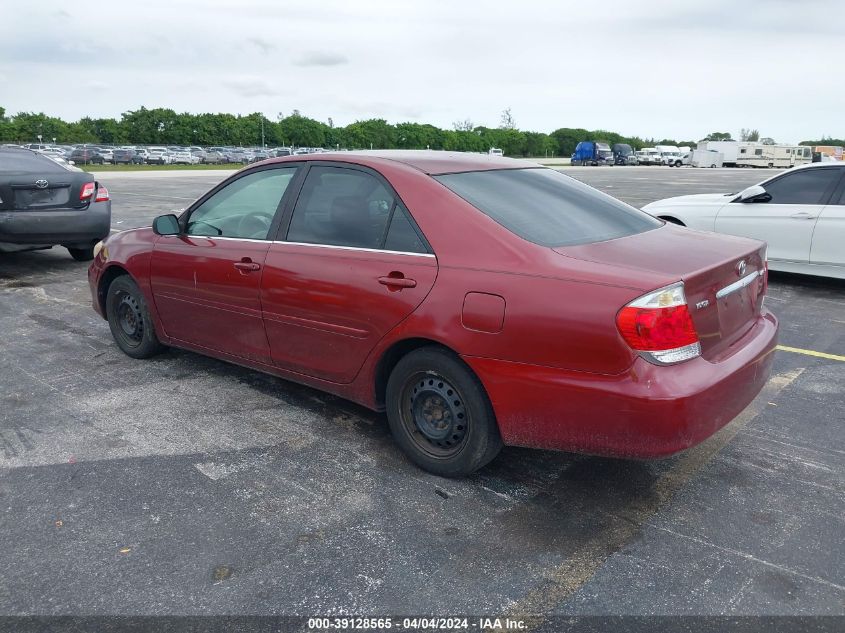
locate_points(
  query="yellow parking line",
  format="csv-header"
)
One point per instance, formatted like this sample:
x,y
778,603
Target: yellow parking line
x,y
809,352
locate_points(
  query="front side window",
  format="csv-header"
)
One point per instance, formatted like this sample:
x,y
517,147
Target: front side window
x,y
807,186
244,208
341,207
545,207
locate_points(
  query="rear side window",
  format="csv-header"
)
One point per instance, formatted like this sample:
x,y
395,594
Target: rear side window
x,y
806,186
28,162
545,207
401,235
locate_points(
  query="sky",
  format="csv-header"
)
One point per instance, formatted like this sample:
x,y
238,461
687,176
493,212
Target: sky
x,y
651,68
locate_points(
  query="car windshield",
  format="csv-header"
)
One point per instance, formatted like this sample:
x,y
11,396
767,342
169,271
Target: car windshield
x,y
545,207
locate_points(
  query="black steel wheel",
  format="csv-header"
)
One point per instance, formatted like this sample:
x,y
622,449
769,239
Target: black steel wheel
x,y
434,414
129,319
440,414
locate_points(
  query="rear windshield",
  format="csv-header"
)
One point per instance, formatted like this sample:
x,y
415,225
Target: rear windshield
x,y
28,162
545,207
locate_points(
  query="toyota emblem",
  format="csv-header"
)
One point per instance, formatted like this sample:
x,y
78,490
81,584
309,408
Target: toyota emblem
x,y
41,184
740,268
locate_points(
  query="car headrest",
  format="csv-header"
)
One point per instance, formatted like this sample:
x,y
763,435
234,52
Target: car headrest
x,y
350,211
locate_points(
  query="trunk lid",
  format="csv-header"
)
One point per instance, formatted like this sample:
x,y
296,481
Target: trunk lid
x,y
34,192
724,295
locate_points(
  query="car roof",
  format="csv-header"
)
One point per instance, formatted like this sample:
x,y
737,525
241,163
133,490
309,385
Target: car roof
x,y
431,162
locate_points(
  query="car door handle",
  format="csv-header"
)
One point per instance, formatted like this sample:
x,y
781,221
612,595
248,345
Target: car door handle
x,y
803,215
247,266
397,282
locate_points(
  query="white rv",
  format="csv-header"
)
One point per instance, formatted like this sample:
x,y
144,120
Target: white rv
x,y
760,155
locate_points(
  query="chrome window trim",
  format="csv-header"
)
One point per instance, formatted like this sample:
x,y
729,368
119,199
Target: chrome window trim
x,y
738,285
345,248
355,248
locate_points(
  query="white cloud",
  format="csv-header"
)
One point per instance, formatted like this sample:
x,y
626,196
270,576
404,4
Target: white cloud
x,y
660,68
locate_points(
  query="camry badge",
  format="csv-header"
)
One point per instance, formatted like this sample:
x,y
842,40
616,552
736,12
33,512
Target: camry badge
x,y
702,304
41,184
740,268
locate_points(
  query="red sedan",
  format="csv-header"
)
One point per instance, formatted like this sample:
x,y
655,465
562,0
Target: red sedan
x,y
480,301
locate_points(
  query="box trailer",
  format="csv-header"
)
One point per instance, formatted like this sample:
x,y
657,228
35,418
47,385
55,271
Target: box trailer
x,y
729,150
704,158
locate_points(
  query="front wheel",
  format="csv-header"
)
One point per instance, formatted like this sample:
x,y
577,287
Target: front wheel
x,y
440,415
129,319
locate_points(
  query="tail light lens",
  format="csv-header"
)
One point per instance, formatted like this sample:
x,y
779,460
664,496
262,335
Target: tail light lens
x,y
764,274
102,194
659,326
88,190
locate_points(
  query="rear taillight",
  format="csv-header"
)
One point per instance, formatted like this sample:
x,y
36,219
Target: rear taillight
x,y
659,326
764,274
102,194
88,190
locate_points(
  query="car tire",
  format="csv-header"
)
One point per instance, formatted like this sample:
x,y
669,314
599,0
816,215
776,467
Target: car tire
x,y
129,319
81,254
440,415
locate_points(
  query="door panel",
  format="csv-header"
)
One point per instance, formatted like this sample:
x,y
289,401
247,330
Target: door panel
x,y
788,228
829,237
325,308
206,283
204,299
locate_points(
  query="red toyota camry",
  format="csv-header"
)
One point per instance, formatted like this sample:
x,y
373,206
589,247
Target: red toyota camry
x,y
480,301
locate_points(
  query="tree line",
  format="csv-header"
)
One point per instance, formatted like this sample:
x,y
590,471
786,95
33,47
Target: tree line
x,y
163,126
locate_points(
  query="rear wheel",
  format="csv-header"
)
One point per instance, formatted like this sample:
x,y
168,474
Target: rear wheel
x,y
440,415
81,254
129,319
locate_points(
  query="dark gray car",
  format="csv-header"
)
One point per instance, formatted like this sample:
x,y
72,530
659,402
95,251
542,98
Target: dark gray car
x,y
44,204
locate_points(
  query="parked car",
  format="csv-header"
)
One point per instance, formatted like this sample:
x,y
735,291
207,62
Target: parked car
x,y
281,151
184,157
259,155
86,156
159,156
570,321
107,154
44,203
213,157
127,157
800,214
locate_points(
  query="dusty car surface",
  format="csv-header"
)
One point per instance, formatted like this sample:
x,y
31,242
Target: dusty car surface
x,y
44,203
478,300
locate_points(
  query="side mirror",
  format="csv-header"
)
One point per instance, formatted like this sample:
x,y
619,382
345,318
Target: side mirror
x,y
754,193
167,225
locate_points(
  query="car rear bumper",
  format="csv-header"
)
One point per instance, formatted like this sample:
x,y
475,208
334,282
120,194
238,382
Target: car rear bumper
x,y
649,411
74,227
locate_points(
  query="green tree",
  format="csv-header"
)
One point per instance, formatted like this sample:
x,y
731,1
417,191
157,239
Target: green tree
x,y
718,136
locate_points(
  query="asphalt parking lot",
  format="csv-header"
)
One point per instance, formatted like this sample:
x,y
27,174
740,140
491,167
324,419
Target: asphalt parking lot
x,y
184,485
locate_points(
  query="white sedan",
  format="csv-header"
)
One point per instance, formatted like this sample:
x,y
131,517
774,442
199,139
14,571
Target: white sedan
x,y
800,213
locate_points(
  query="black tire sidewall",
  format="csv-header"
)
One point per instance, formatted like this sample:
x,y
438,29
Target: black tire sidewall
x,y
483,440
150,344
82,254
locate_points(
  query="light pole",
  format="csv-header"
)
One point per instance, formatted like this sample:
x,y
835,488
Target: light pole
x,y
262,132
